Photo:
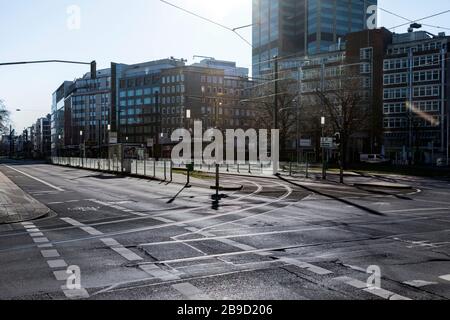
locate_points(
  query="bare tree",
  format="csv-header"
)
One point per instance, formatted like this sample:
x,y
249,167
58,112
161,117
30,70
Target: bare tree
x,y
4,117
263,102
342,100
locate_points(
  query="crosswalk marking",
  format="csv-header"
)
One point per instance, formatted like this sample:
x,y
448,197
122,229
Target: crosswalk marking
x,y
190,291
382,293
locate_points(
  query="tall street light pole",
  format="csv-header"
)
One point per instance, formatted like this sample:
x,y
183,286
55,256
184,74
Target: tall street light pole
x,y
324,170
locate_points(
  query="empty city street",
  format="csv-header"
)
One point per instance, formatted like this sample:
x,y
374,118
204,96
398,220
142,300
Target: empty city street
x,y
278,238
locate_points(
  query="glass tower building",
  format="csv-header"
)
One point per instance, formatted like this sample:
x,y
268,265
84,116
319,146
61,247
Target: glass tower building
x,y
303,27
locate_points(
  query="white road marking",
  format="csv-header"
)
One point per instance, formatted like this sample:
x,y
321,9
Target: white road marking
x,y
113,244
42,246
307,266
61,275
446,277
40,240
73,222
91,231
157,272
76,294
54,264
36,234
106,204
37,179
27,224
382,293
124,252
163,219
190,292
417,209
419,283
50,254
50,203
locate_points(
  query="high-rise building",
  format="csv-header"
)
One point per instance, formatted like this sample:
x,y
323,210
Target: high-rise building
x,y
302,27
416,92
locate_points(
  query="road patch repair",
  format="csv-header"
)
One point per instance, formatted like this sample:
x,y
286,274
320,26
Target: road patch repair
x,y
17,206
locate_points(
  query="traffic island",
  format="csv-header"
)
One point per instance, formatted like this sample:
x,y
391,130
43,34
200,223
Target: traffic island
x,y
17,206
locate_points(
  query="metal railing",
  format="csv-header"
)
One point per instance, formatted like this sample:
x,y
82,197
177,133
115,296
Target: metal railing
x,y
161,170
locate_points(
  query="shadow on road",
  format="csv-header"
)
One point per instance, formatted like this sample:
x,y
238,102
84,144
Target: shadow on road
x,y
347,202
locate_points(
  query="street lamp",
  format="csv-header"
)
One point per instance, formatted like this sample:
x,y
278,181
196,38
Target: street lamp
x,y
81,145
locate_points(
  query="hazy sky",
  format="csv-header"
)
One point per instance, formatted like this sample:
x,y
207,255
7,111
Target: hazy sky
x,y
130,31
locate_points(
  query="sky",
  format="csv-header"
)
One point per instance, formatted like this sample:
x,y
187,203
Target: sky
x,y
129,32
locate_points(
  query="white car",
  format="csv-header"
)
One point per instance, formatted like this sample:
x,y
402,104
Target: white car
x,y
373,158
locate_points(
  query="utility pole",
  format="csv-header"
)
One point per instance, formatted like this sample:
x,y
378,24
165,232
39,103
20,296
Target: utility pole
x,y
324,168
275,108
158,132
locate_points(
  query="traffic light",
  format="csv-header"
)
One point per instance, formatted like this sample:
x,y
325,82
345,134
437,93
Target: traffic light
x,y
94,70
337,139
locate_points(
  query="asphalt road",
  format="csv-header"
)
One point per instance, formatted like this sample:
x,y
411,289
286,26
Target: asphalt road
x,y
276,239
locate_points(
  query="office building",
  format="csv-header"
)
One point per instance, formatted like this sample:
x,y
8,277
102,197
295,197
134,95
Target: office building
x,y
302,27
416,93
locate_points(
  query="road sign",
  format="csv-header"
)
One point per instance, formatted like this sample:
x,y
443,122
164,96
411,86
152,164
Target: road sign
x,y
305,143
326,143
113,138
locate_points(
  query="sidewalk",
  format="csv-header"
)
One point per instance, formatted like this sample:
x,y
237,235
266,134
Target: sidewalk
x,y
16,205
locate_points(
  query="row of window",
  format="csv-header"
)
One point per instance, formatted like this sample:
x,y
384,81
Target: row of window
x,y
418,76
420,91
403,63
422,106
173,89
139,92
392,123
421,47
173,78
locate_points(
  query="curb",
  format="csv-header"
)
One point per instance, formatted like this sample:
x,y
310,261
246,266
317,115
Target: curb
x,y
222,188
379,186
36,217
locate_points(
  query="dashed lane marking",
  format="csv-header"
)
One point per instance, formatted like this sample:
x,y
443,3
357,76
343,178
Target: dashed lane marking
x,y
129,255
114,206
419,283
124,252
307,266
190,291
50,254
53,262
113,244
446,277
379,292
156,272
40,240
37,179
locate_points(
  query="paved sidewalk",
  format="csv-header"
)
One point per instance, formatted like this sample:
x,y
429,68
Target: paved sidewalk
x,y
16,205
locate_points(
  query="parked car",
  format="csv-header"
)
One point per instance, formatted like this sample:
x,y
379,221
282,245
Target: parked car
x,y
441,162
373,158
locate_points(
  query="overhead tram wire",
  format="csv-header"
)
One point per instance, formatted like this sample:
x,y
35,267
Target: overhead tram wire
x,y
208,20
421,19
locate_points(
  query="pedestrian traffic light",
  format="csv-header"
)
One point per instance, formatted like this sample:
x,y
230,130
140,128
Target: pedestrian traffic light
x,y
337,139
